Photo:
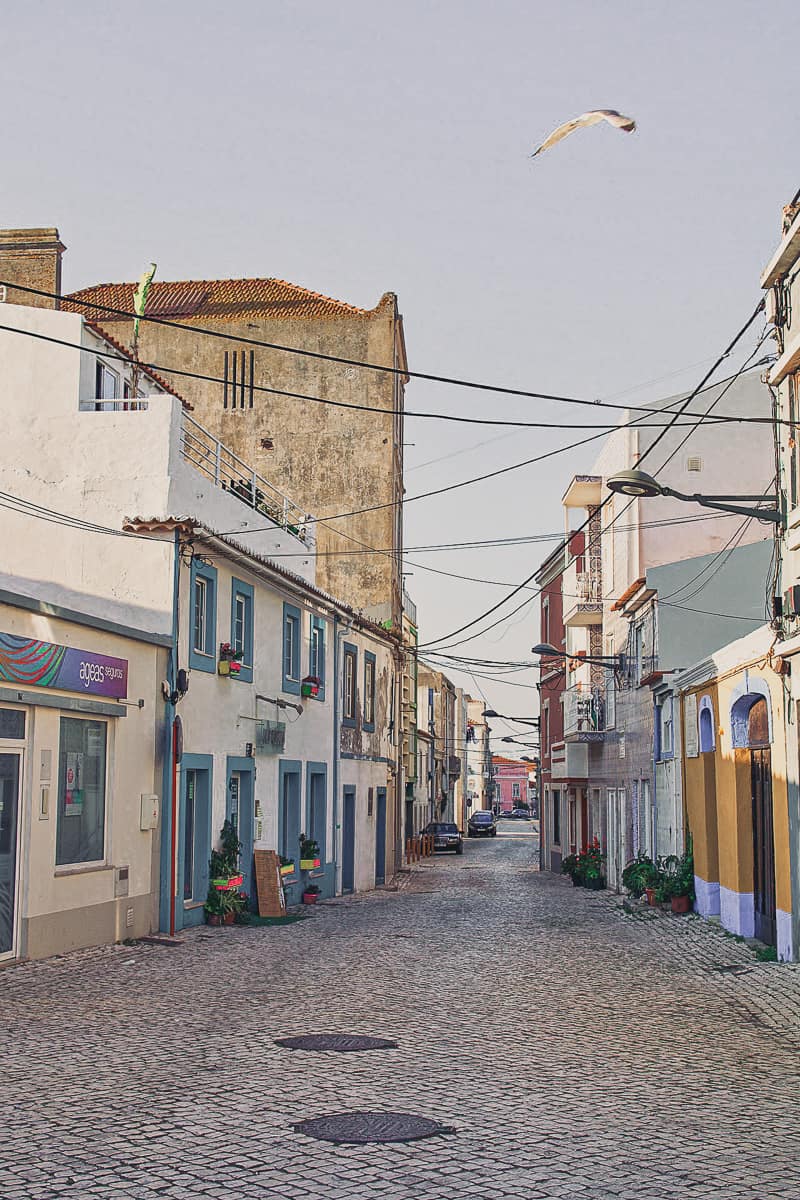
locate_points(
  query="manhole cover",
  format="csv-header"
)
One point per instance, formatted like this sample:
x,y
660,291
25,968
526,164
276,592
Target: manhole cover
x,y
362,1127
335,1041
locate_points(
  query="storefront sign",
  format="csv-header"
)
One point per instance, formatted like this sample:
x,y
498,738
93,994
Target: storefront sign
x,y
42,664
270,737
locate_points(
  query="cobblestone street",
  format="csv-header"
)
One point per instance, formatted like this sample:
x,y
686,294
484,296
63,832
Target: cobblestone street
x,y
574,1050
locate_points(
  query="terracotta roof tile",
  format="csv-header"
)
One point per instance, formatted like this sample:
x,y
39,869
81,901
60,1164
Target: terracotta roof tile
x,y
224,299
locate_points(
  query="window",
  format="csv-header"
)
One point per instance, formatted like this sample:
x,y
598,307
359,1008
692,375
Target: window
x,y
546,620
667,740
12,723
317,785
188,835
316,658
80,836
291,649
792,434
242,627
546,729
706,721
350,666
369,691
106,385
556,816
203,629
515,791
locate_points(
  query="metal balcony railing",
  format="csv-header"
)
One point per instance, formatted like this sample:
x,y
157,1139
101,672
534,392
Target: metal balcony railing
x,y
585,711
225,469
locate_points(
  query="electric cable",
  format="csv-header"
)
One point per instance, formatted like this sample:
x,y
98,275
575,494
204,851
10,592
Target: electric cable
x,y
79,302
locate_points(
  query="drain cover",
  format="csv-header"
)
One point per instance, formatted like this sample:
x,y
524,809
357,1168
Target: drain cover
x,y
362,1127
335,1041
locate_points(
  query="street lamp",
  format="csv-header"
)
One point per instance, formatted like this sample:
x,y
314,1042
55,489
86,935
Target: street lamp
x,y
639,483
616,661
519,741
490,712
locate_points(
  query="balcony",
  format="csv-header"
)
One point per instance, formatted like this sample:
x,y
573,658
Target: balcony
x,y
582,596
216,462
585,714
569,760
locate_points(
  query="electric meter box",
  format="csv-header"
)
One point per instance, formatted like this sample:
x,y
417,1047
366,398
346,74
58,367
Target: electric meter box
x,y
148,813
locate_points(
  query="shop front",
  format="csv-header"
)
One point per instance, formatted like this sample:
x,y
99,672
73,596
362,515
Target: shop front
x,y
78,807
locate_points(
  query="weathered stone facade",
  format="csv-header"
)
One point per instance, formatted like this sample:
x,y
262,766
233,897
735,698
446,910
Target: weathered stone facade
x,y
328,458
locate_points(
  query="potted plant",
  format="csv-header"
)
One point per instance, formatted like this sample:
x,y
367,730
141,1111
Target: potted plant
x,y
640,876
287,866
569,866
214,908
223,866
591,862
230,660
309,853
310,893
682,883
310,686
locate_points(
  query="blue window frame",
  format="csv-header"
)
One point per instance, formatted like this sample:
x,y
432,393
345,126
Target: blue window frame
x,y
369,691
242,626
317,805
316,655
203,617
292,630
349,684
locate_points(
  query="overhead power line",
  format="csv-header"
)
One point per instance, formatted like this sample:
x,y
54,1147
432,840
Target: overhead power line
x,y
498,389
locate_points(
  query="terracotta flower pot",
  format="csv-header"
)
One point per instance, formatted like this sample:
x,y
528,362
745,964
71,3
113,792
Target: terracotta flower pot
x,y
213,919
310,897
681,904
230,918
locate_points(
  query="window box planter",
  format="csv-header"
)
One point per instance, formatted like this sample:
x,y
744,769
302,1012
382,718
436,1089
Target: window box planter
x,y
309,864
287,870
223,667
309,686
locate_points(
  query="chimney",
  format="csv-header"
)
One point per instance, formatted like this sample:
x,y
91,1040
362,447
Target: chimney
x,y
31,257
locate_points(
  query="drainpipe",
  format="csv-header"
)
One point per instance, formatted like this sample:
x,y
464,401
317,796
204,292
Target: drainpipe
x,y
169,790
336,747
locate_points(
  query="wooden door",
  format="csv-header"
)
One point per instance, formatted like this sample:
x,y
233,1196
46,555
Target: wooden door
x,y
763,847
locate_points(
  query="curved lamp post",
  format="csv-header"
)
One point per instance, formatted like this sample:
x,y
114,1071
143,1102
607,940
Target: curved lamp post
x,y
639,483
490,712
615,661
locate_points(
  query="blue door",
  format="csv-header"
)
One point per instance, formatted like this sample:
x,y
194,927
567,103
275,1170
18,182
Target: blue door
x,y
194,839
380,838
289,821
239,811
349,840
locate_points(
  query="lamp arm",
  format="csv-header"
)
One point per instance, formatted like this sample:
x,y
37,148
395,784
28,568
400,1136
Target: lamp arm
x,y
739,510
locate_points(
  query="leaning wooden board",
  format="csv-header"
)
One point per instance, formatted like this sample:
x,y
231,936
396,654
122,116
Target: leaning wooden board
x,y
271,901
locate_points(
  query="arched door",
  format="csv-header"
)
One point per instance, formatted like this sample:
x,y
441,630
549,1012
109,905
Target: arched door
x,y
763,836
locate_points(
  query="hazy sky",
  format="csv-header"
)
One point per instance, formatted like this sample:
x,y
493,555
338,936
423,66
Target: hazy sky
x,y
363,147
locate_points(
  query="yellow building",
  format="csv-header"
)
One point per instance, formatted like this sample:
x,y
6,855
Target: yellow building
x,y
734,764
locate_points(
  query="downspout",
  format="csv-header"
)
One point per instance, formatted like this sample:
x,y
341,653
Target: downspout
x,y
336,750
170,767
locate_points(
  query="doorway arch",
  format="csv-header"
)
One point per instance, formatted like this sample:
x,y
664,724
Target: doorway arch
x,y
751,729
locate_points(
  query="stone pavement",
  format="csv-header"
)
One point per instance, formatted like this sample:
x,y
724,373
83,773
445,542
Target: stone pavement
x,y
576,1051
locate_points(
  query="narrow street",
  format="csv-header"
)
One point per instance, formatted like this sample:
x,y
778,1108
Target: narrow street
x,y
574,1050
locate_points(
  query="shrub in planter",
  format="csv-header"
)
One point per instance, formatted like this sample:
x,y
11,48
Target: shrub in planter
x,y
640,875
214,907
310,894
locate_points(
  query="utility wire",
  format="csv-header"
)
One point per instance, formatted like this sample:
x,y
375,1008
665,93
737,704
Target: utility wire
x,y
401,372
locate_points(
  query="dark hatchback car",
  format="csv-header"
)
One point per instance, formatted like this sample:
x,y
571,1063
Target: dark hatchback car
x,y
446,836
482,824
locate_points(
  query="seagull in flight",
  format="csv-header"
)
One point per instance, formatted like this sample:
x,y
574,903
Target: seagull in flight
x,y
627,124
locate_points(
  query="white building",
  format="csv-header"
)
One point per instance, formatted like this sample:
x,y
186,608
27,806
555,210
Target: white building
x,y
99,453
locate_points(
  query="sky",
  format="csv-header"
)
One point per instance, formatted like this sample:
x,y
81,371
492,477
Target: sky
x,y
360,148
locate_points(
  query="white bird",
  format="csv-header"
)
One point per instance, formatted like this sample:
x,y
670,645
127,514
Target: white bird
x,y
627,124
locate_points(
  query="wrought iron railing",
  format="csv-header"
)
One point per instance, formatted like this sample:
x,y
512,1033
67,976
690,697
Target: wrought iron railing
x,y
225,469
585,710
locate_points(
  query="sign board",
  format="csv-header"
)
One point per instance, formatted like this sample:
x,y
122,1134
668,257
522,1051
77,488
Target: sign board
x,y
42,664
271,901
690,725
270,737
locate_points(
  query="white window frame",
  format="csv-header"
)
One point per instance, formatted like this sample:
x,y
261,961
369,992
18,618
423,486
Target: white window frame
x,y
201,590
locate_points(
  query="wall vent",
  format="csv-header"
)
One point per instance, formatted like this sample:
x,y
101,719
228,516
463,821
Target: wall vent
x,y
128,918
694,463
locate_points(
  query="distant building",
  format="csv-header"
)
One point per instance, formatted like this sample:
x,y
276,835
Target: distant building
x,y
510,783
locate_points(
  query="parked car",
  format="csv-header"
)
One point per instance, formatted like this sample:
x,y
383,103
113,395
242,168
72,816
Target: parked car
x,y
446,836
482,824
522,813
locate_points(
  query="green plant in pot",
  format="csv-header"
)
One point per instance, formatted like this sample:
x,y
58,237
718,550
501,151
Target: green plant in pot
x,y
223,866
309,853
214,907
681,882
570,865
310,893
640,875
